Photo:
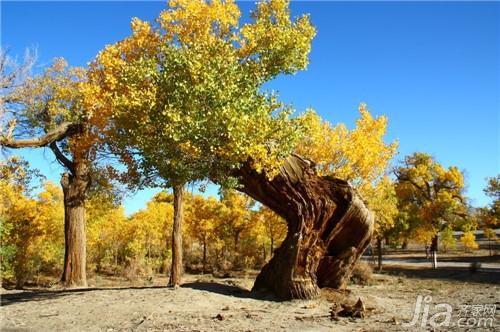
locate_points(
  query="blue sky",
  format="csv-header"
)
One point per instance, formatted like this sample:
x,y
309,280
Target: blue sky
x,y
431,67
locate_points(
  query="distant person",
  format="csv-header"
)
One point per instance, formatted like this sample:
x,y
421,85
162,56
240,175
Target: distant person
x,y
427,253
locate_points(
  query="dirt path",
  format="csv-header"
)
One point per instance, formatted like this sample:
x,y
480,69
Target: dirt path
x,y
207,304
424,263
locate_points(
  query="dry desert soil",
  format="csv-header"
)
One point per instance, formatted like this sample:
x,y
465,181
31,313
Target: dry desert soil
x,y
205,303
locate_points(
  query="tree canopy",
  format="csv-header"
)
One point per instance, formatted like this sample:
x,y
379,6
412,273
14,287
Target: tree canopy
x,y
430,195
185,92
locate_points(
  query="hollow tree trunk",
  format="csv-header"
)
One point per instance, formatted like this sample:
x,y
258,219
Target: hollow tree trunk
x,y
176,270
75,190
329,227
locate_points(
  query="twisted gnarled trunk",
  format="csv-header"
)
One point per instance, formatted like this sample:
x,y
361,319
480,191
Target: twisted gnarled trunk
x,y
329,227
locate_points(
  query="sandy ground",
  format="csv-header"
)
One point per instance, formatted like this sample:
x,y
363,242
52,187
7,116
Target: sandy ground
x,y
205,303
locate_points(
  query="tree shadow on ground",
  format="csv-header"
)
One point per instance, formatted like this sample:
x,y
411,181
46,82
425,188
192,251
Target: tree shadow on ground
x,y
230,290
445,273
27,295
472,259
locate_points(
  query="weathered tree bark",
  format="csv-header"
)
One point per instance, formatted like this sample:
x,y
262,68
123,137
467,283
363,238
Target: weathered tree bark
x,y
75,189
329,227
176,270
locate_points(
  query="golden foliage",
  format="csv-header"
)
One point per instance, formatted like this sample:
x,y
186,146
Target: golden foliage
x,y
142,240
31,228
432,194
186,95
468,240
359,155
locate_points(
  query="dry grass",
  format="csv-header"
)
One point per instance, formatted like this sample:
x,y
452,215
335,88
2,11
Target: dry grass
x,y
362,274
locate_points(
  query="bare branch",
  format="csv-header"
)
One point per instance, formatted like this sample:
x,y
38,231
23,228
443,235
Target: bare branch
x,y
64,130
62,158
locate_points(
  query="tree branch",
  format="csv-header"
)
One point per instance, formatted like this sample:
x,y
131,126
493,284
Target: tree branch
x,y
64,130
404,178
62,158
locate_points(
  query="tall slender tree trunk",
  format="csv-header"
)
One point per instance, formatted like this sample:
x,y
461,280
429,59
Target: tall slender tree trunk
x,y
204,254
434,251
236,241
329,227
379,253
20,267
176,270
75,255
